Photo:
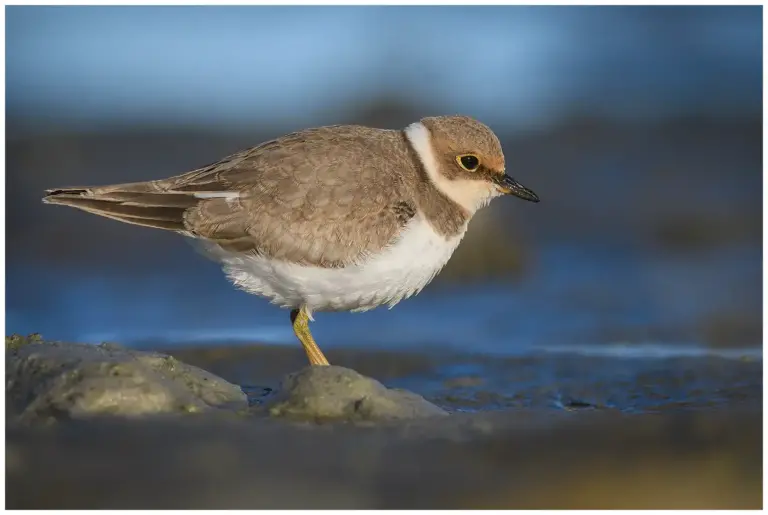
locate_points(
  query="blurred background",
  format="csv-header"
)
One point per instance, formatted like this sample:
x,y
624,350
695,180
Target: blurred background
x,y
639,128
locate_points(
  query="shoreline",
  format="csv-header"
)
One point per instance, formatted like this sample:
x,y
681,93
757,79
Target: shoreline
x,y
505,444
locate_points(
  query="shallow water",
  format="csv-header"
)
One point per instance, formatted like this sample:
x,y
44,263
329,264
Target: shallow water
x,y
599,298
542,380
576,383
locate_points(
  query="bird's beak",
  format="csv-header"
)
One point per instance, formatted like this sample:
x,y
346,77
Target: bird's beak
x,y
509,186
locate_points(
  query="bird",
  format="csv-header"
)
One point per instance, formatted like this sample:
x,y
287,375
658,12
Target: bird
x,y
330,218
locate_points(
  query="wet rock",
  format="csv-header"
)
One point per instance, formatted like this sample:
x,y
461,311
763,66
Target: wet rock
x,y
16,341
337,393
47,381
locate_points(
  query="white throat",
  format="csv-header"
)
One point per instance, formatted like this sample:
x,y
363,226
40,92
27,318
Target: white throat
x,y
471,195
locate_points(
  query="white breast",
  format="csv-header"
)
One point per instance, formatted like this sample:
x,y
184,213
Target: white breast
x,y
401,270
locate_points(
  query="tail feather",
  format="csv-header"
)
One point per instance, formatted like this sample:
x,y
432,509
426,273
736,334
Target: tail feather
x,y
136,203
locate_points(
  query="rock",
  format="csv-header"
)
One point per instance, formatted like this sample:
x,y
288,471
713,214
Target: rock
x,y
333,393
16,341
48,381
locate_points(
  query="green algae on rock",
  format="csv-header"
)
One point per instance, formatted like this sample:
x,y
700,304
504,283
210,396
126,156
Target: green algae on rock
x,y
51,381
16,341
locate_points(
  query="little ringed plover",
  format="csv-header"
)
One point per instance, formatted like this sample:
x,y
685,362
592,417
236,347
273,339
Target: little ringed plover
x,y
337,218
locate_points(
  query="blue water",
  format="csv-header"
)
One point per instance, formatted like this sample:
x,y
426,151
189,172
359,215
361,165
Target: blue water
x,y
599,299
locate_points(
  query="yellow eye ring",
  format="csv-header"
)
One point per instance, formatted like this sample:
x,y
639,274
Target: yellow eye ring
x,y
469,162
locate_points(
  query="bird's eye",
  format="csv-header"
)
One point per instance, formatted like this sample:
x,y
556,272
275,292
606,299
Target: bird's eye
x,y
469,162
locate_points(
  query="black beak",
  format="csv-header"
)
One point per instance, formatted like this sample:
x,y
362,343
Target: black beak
x,y
509,186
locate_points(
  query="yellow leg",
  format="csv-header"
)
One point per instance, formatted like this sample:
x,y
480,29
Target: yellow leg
x,y
300,321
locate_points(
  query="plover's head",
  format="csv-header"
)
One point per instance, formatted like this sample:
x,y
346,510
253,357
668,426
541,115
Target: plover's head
x,y
464,159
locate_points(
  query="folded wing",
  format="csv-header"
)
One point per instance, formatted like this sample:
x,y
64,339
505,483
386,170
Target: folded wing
x,y
317,197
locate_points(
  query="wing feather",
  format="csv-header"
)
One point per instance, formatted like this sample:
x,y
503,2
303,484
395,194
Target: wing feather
x,y
321,197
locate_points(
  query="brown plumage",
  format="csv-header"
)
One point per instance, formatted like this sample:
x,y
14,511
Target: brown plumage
x,y
149,209
327,196
321,197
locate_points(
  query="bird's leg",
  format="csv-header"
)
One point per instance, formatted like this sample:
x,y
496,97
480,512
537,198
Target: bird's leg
x,y
300,321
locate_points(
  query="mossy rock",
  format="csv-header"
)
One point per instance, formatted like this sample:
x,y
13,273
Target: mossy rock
x,y
16,341
54,381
